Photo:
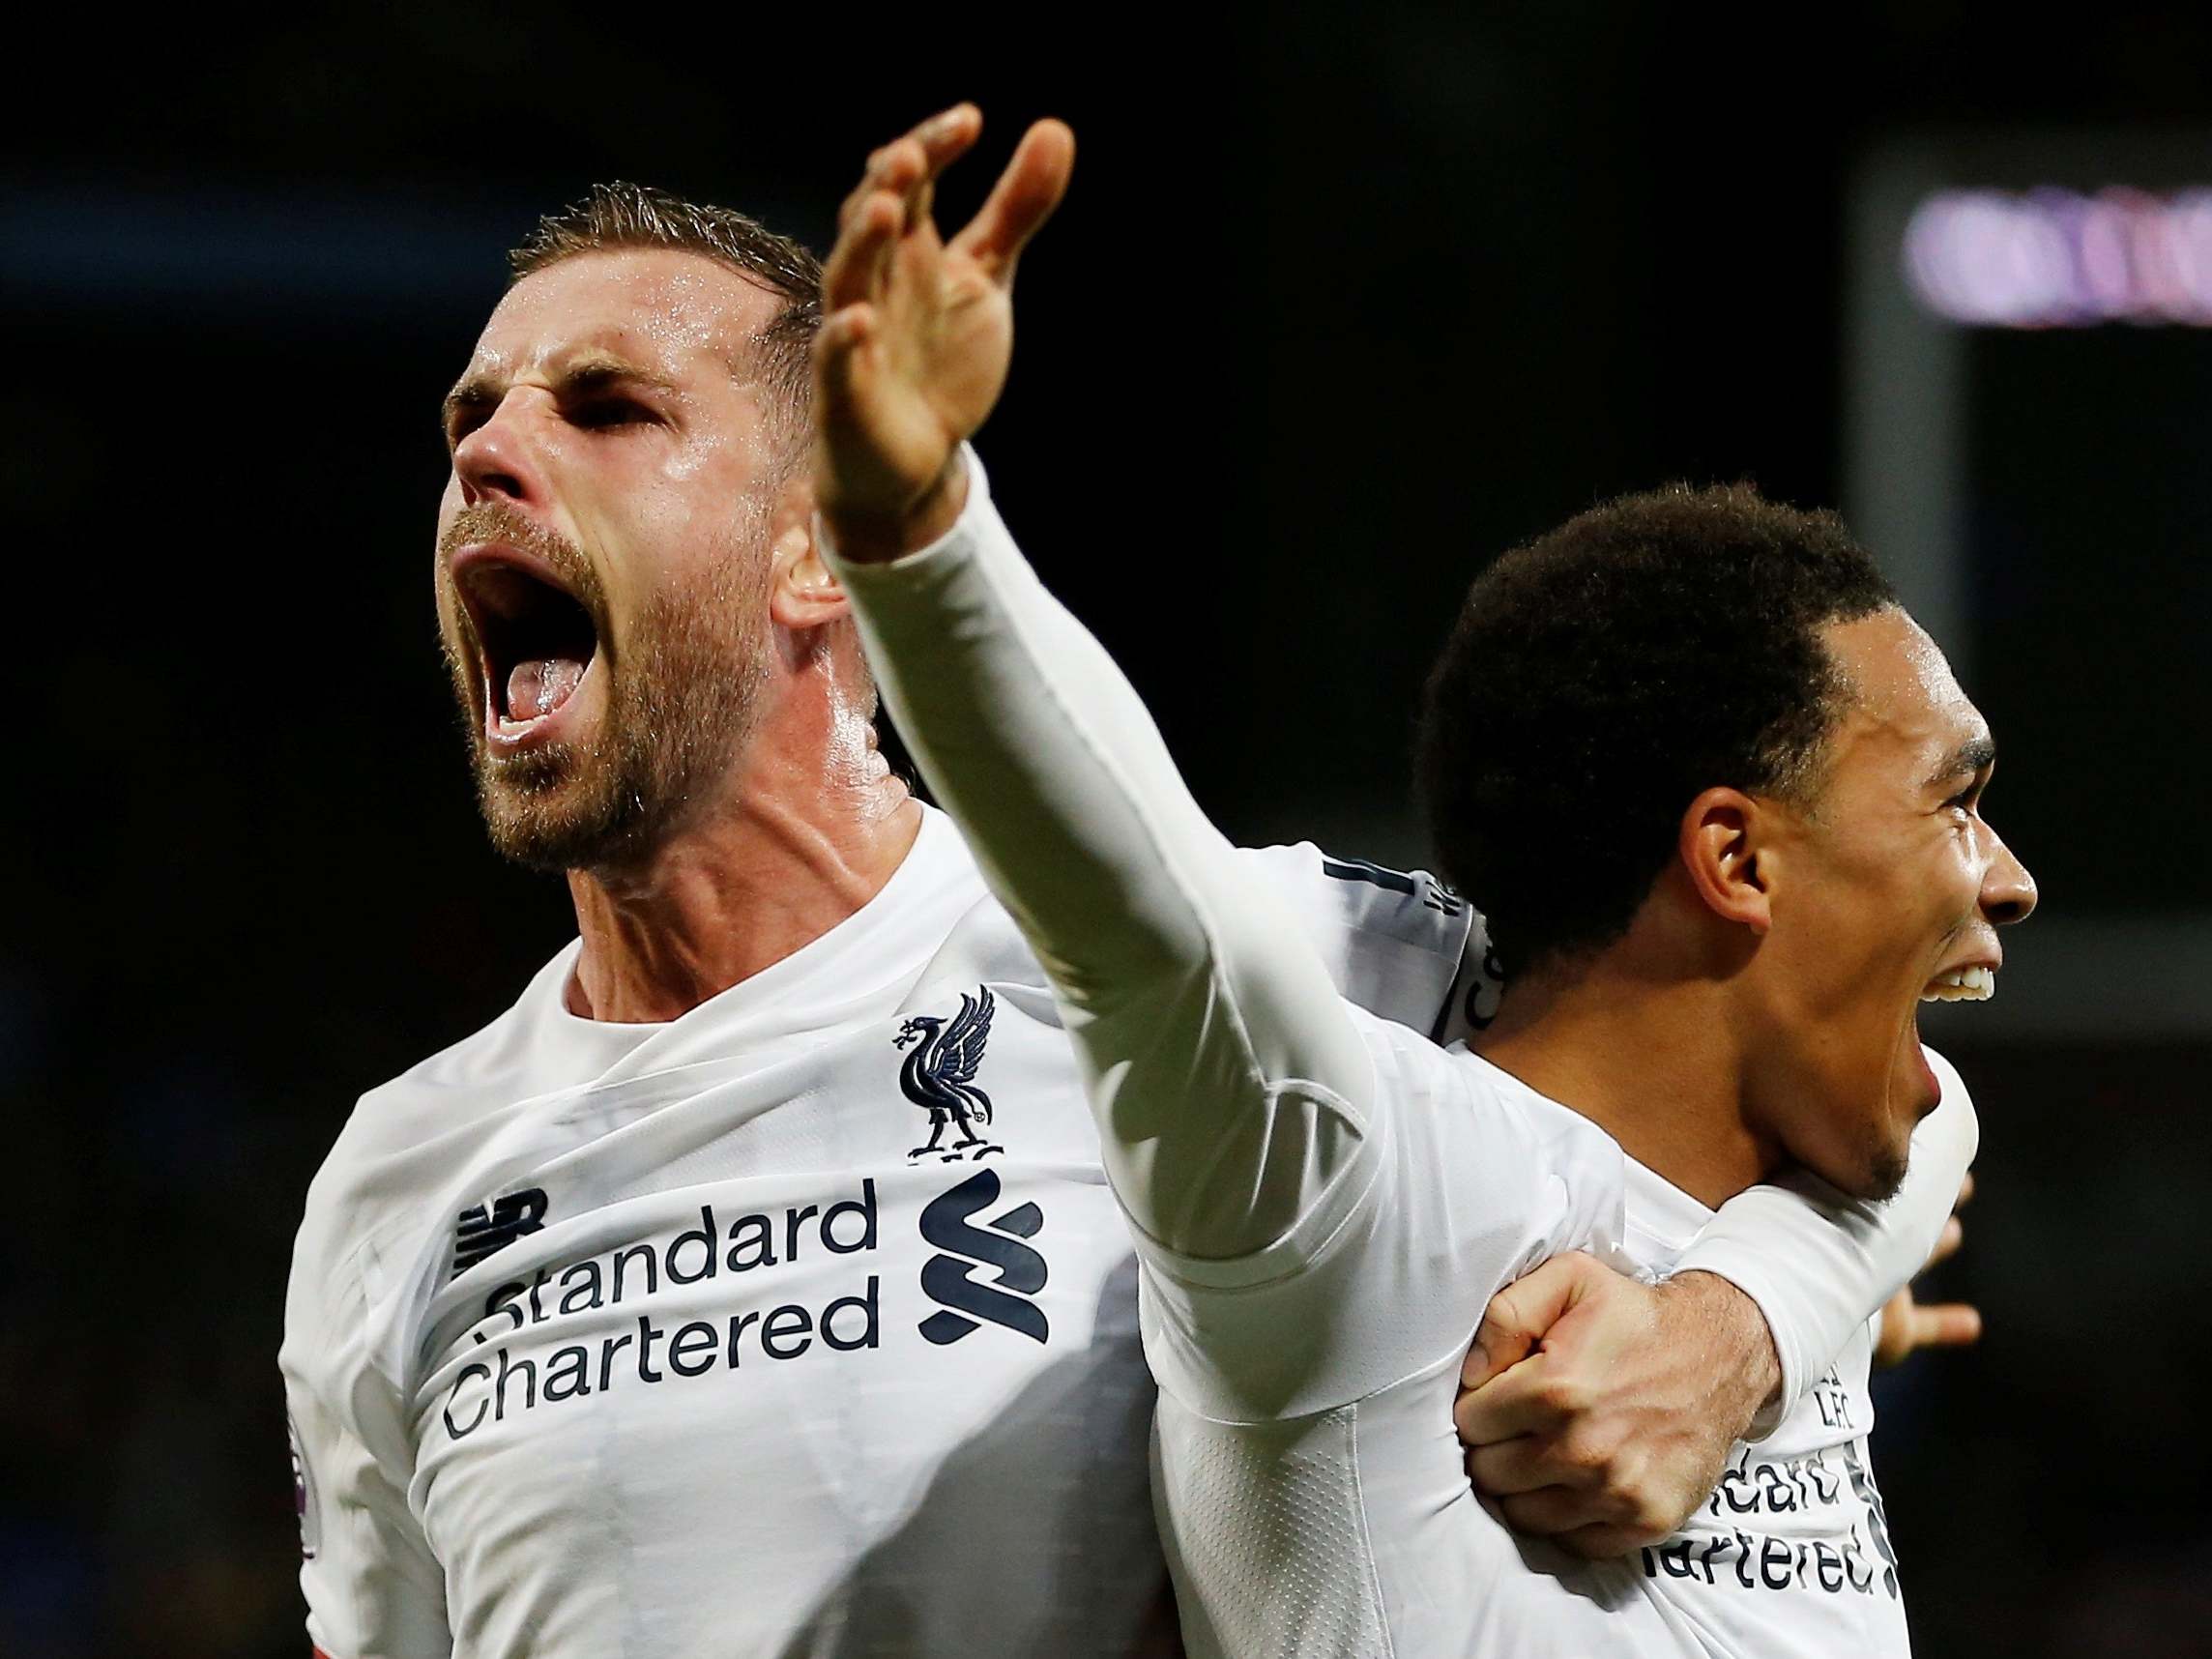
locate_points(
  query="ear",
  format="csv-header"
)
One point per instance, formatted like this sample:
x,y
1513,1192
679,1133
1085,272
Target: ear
x,y
1723,846
803,592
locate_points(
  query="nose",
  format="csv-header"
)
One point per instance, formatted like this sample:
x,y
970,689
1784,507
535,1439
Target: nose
x,y
2008,890
496,461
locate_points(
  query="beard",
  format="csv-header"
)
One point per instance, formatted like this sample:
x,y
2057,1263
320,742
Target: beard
x,y
1886,1167
680,698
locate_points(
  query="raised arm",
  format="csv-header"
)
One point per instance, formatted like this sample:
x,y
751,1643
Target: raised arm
x,y
1232,1086
1821,1263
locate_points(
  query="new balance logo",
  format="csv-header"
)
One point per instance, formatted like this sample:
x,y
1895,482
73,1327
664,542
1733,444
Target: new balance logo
x,y
946,1279
480,1232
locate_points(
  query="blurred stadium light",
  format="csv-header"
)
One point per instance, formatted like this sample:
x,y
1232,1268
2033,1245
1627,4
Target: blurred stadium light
x,y
2054,259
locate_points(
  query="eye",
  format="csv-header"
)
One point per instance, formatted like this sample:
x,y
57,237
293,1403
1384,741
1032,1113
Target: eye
x,y
1966,803
599,414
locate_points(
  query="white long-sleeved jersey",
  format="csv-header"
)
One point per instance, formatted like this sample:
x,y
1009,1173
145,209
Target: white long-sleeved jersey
x,y
802,1324
806,1323
1321,1203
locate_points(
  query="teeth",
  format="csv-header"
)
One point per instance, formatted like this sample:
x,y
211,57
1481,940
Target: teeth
x,y
1965,985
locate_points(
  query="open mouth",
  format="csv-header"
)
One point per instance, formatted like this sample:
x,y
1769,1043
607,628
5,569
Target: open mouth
x,y
1976,984
535,638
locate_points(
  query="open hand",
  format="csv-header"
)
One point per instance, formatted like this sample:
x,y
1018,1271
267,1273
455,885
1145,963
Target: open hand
x,y
918,331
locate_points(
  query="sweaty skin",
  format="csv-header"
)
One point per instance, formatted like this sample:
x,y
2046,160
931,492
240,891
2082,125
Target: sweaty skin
x,y
610,406
614,428
1763,1008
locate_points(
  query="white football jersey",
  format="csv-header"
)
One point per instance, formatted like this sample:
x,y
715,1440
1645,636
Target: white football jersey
x,y
802,1324
1324,1202
805,1325
1791,1556
1340,1524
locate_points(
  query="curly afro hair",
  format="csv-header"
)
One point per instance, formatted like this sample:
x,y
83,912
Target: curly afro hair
x,y
1603,676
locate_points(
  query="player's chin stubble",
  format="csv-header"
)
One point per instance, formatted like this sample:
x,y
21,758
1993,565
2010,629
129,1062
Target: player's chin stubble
x,y
1886,1173
677,713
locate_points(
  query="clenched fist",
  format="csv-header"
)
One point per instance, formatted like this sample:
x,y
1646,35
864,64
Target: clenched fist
x,y
1600,1411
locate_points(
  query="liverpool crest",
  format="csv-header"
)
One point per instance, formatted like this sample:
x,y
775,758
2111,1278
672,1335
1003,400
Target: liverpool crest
x,y
938,1076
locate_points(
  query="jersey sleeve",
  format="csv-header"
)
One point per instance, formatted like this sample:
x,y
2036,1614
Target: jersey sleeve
x,y
373,1588
1399,944
1402,944
1232,1092
1255,1130
1479,1181
1818,1262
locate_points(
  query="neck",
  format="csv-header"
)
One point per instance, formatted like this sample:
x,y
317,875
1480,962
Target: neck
x,y
807,829
1648,1055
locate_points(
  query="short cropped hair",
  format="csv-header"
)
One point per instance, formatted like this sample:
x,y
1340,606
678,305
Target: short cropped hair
x,y
620,214
1602,677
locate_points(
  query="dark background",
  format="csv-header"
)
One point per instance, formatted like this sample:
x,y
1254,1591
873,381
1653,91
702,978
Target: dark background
x,y
1342,304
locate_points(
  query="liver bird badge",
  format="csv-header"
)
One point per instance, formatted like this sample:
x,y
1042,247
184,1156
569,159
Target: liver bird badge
x,y
938,1076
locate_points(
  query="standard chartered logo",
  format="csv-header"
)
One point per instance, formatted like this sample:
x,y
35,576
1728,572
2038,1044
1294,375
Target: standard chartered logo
x,y
503,1380
548,1338
948,1278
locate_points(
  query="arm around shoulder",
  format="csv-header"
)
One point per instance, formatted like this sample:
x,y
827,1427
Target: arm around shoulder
x,y
1818,1262
1229,1080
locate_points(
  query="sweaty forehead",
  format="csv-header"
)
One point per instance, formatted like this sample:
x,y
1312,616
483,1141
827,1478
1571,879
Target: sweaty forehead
x,y
1901,694
669,312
